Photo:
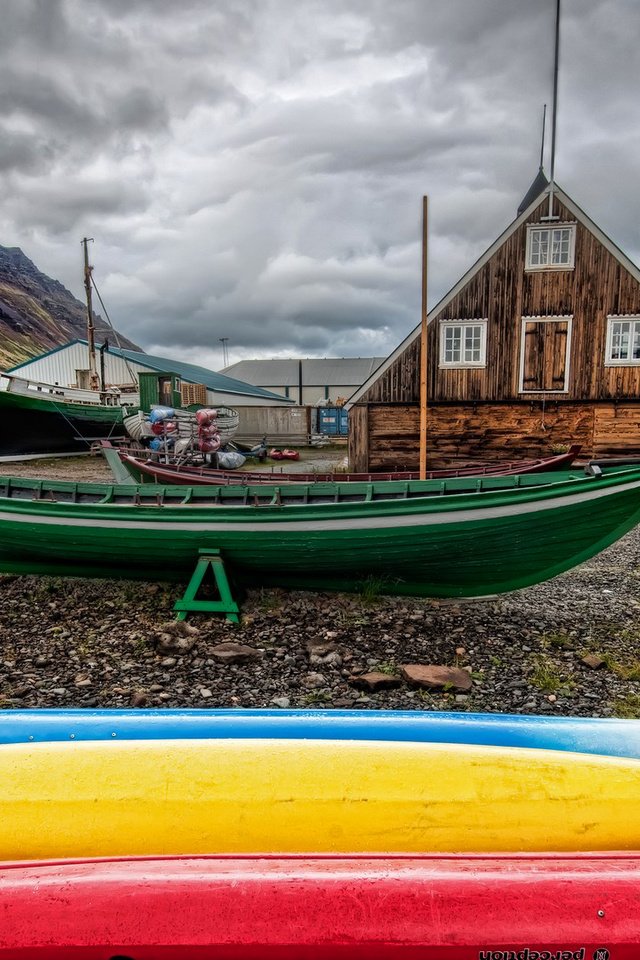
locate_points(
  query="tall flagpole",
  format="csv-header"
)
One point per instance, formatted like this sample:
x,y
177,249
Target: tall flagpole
x,y
423,348
554,111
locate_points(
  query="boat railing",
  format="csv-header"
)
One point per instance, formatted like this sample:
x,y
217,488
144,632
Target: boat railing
x,y
110,398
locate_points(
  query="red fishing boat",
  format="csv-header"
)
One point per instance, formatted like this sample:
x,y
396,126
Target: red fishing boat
x,y
141,469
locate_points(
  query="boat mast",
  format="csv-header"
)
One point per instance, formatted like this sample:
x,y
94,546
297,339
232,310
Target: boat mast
x,y
423,348
94,380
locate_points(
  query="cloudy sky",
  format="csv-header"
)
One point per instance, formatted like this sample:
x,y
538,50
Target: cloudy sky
x,y
254,169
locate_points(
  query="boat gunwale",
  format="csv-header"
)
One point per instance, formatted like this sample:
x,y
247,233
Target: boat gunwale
x,y
148,504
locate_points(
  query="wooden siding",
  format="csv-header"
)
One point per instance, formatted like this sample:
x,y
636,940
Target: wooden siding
x,y
359,436
280,425
503,292
480,413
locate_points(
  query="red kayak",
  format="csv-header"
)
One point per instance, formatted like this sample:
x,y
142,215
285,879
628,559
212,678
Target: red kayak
x,y
536,907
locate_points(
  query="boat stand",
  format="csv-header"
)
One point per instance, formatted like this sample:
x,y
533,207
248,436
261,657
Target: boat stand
x,y
226,604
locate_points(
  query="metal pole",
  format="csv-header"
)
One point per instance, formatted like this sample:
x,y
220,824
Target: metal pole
x,y
554,109
94,380
225,355
423,348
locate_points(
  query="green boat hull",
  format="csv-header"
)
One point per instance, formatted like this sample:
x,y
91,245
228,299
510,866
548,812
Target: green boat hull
x,y
45,424
460,544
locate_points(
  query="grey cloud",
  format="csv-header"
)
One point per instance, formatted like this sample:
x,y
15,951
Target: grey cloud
x,y
74,204
23,152
255,168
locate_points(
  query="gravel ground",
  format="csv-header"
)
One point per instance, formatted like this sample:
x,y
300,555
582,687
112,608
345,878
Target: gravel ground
x,y
566,647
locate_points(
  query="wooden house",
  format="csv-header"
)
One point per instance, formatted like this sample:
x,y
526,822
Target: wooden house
x,y
535,348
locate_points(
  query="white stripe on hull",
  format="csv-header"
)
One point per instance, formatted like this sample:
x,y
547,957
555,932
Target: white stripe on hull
x,y
253,523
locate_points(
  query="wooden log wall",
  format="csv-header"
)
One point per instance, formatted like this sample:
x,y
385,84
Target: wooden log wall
x,y
616,430
460,433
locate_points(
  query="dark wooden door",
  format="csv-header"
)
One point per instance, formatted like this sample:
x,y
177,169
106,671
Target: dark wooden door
x,y
545,356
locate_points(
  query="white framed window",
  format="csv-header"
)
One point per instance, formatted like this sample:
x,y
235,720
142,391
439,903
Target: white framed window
x,y
551,248
463,343
623,341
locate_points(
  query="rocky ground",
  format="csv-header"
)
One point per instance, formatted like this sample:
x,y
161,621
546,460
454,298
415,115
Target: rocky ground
x,y
566,647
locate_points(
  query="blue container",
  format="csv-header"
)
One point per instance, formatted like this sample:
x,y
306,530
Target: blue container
x,y
334,421
343,421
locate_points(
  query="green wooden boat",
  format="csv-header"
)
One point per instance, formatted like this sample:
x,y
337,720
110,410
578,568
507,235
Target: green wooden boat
x,y
457,537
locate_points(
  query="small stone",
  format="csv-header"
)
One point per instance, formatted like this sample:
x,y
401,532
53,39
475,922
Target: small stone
x,y
460,651
434,677
320,648
231,652
332,659
176,636
314,680
84,682
138,698
205,693
282,702
594,661
552,698
375,681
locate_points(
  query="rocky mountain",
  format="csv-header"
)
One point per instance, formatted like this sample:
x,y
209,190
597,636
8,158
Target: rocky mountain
x,y
37,313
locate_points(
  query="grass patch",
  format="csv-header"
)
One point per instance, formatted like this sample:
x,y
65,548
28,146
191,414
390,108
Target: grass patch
x,y
547,676
627,707
372,589
315,697
346,618
626,671
387,667
269,601
556,641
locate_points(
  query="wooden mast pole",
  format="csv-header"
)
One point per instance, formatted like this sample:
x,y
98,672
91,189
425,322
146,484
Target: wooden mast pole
x,y
423,348
94,380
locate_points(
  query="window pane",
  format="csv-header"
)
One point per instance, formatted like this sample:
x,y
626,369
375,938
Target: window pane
x,y
561,241
620,331
636,340
452,343
539,247
472,344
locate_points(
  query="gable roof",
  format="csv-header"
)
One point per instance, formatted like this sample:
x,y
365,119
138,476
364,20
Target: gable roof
x,y
195,374
315,371
486,256
189,372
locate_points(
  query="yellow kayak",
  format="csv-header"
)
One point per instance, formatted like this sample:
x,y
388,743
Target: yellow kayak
x,y
90,799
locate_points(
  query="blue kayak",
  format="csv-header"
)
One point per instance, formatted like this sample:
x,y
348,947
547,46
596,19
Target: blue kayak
x,y
608,737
